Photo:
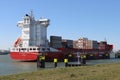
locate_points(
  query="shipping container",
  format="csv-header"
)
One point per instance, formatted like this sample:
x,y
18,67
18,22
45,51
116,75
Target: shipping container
x,y
67,43
94,44
74,44
84,43
55,38
56,41
102,45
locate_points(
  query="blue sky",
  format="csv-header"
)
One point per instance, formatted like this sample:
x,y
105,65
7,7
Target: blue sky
x,y
71,19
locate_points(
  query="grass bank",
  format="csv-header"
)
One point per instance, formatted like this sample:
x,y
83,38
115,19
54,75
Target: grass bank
x,y
95,72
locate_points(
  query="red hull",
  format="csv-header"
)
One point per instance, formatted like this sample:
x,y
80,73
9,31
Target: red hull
x,y
32,56
24,56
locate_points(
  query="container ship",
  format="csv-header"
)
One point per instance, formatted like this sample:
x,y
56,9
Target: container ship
x,y
34,42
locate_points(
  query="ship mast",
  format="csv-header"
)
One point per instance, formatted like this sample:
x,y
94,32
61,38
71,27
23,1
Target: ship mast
x,y
31,14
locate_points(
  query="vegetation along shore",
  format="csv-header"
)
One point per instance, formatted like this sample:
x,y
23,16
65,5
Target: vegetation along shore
x,y
94,72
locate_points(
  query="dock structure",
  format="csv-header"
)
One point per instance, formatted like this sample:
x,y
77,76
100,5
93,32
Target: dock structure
x,y
41,61
117,55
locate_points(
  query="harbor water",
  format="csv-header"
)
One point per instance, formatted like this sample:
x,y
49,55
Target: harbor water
x,y
9,66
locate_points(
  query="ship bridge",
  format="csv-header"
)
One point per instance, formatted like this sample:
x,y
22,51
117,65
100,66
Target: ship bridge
x,y
34,32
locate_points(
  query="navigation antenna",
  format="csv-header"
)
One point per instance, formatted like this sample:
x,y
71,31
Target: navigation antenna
x,y
105,39
31,14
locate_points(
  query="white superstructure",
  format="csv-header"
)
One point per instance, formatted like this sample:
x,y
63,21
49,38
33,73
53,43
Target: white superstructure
x,y
34,32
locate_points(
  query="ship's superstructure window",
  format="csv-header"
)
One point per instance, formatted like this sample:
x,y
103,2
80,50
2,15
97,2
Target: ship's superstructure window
x,y
26,21
26,32
38,48
43,49
23,49
30,48
34,48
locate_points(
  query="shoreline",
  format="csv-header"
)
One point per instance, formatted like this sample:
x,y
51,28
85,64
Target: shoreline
x,y
108,71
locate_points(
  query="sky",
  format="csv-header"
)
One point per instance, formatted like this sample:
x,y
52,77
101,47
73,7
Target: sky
x,y
71,19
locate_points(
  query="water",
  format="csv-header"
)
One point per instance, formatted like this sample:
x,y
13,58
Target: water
x,y
9,66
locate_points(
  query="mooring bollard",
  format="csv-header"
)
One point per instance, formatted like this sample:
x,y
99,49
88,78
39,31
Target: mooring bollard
x,y
55,62
66,62
41,61
70,57
83,59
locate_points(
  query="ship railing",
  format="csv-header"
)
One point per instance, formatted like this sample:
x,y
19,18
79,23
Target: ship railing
x,y
31,49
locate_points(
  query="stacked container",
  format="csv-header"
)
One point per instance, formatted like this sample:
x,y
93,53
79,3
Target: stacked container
x,y
102,45
56,41
67,43
109,47
89,44
94,45
75,44
84,43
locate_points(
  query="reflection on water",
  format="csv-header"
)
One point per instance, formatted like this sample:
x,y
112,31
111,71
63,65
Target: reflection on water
x,y
8,66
